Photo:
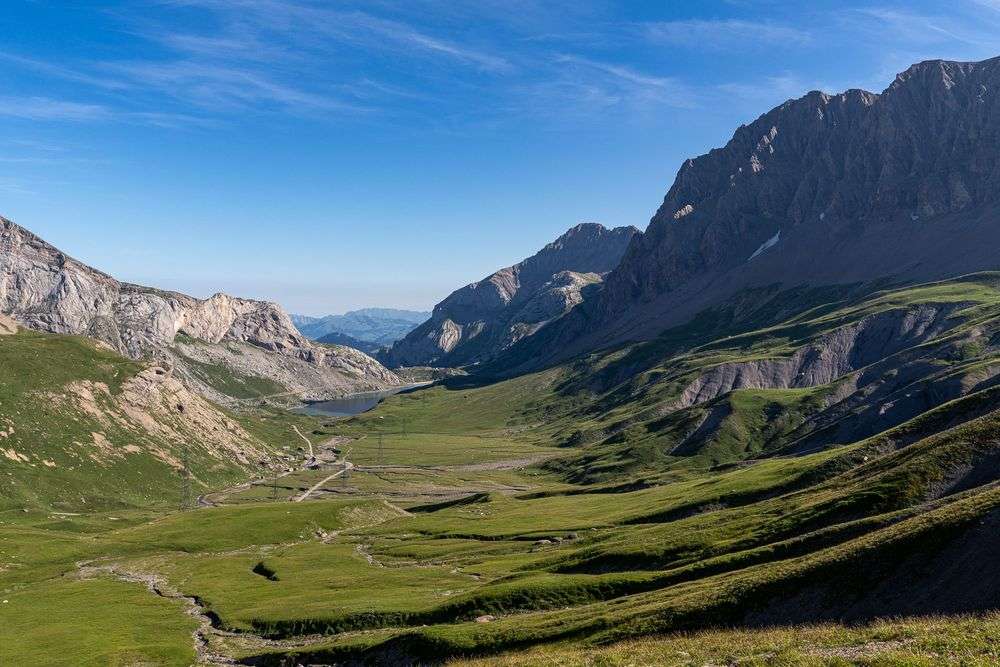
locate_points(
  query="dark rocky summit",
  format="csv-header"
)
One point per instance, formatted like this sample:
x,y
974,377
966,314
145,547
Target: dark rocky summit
x,y
476,322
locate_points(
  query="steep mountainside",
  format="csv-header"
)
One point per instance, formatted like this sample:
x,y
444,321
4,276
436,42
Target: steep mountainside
x,y
901,186
379,326
481,319
82,427
44,289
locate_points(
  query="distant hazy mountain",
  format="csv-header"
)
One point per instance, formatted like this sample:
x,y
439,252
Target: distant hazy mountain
x,y
376,327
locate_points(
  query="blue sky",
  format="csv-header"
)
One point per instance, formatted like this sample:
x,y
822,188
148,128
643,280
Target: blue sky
x,y
333,155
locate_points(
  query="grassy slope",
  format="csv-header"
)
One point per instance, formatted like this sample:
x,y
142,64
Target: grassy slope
x,y
621,424
921,642
664,541
54,454
41,625
224,379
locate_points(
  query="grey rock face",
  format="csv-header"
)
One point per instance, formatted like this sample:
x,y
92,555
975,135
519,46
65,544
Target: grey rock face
x,y
832,356
476,322
44,289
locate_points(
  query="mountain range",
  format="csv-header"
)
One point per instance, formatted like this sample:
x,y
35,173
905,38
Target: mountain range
x,y
367,329
856,187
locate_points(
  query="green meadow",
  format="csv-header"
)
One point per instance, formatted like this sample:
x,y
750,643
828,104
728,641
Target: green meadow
x,y
579,515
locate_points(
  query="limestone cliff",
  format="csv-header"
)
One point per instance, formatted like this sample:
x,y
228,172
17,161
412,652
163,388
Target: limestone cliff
x,y
46,290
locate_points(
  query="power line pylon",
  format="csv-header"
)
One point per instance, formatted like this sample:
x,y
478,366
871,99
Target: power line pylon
x,y
185,478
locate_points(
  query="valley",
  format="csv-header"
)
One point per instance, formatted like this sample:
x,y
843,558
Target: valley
x,y
569,509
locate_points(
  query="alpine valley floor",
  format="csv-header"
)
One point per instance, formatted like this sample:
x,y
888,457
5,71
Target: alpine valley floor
x,y
795,477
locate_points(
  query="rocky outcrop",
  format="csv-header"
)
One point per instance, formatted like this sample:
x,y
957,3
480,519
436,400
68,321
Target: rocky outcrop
x,y
826,359
344,371
476,322
44,289
8,327
822,190
166,416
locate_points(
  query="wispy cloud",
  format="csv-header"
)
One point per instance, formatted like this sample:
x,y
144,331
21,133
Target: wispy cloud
x,y
372,31
36,145
450,64
46,108
251,26
485,60
622,83
293,57
14,186
239,45
619,71
223,88
725,34
914,29
917,28
296,58
900,36
61,72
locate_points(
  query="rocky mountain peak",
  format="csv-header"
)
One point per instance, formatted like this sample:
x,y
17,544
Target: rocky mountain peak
x,y
585,233
944,75
480,319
